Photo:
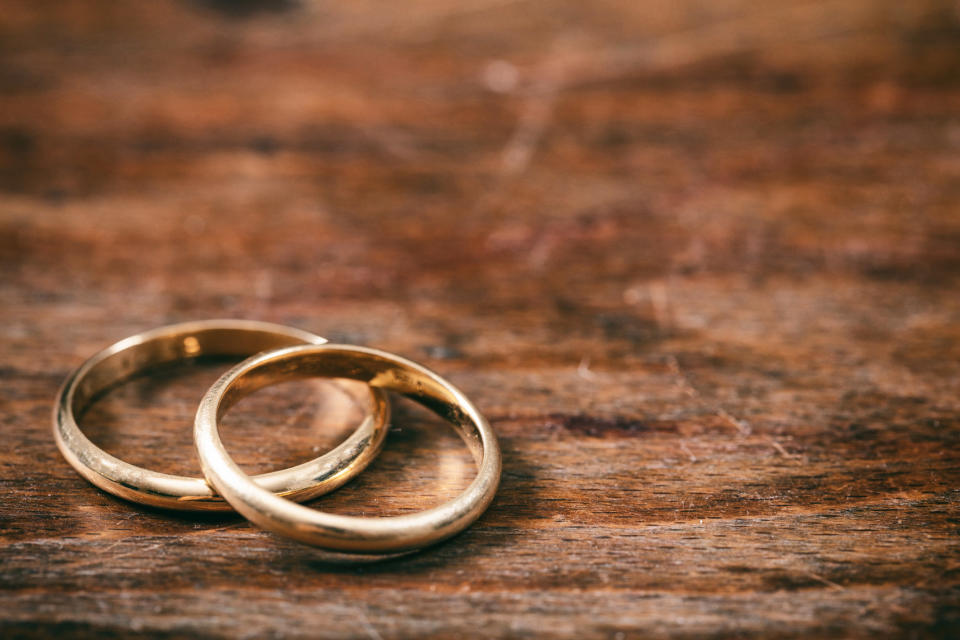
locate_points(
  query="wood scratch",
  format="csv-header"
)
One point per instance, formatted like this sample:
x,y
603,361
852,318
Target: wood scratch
x,y
682,382
781,450
819,578
741,425
583,370
536,113
660,301
533,122
367,626
99,558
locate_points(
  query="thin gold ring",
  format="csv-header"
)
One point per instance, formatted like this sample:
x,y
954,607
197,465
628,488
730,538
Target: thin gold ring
x,y
179,342
381,370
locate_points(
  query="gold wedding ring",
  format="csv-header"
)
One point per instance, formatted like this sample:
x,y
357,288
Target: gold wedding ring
x,y
182,341
381,370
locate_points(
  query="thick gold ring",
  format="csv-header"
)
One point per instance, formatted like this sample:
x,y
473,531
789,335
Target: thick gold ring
x,y
179,342
380,370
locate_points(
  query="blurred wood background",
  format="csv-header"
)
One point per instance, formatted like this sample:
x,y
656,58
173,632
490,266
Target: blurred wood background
x,y
697,261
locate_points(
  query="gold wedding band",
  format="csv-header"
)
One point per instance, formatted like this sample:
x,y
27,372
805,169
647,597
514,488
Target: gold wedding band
x,y
381,370
182,341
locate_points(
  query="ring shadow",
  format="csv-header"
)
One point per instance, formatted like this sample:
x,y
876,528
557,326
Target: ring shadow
x,y
425,463
489,535
416,430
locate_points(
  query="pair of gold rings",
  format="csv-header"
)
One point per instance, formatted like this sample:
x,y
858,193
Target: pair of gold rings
x,y
278,354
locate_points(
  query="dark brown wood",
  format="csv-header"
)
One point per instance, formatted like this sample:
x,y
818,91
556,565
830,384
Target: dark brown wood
x,y
698,262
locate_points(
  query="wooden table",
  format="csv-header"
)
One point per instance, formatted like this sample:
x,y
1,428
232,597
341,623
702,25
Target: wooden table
x,y
699,263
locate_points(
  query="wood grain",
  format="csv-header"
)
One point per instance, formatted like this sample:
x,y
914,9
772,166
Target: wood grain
x,y
699,264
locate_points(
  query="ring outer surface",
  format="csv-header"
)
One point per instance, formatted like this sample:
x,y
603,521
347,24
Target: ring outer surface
x,y
186,340
351,534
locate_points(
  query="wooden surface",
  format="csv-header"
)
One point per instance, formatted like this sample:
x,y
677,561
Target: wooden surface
x,y
697,262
